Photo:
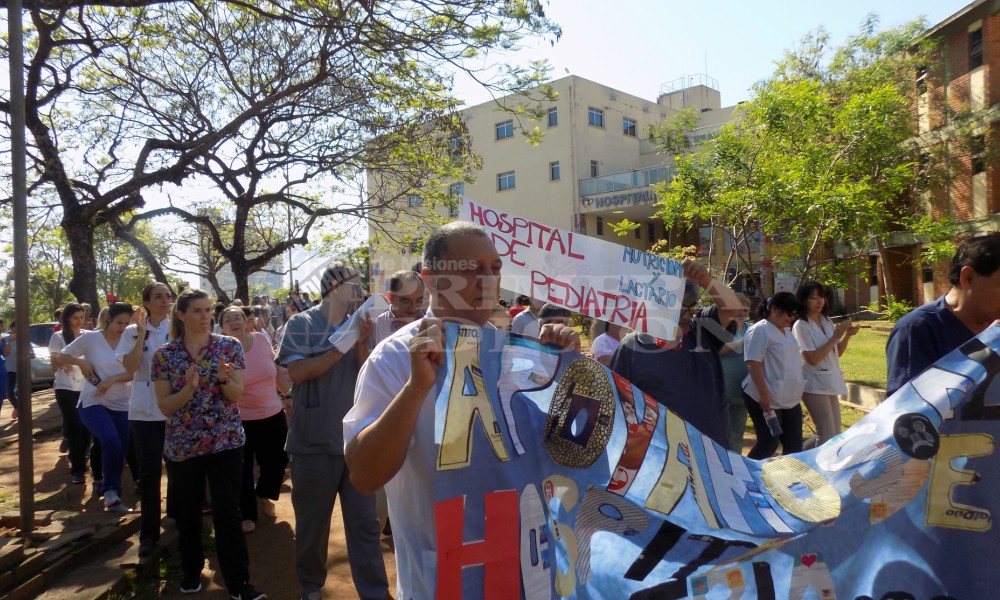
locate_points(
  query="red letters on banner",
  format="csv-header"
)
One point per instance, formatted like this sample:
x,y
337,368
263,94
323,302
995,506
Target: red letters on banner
x,y
498,552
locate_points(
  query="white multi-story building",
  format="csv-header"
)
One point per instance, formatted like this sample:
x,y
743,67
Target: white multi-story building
x,y
593,167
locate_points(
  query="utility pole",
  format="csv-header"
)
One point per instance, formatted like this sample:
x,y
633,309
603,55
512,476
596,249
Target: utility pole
x,y
25,449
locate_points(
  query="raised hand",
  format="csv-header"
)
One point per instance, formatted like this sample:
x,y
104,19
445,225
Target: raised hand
x,y
426,352
225,371
560,335
191,378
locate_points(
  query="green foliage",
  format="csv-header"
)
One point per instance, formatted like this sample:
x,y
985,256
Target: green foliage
x,y
821,154
273,107
623,227
896,308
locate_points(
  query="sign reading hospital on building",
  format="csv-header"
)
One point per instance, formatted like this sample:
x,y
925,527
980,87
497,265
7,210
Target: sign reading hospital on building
x,y
599,279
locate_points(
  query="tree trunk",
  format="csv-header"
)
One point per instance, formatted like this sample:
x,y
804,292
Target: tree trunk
x,y
241,272
883,259
83,284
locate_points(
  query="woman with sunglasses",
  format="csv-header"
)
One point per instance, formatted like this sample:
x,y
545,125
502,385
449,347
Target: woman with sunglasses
x,y
775,380
135,350
104,398
261,411
198,381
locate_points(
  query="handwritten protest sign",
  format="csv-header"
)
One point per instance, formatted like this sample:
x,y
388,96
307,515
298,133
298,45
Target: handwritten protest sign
x,y
612,496
599,279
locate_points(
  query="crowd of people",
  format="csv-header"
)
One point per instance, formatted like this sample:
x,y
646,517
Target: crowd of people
x,y
213,391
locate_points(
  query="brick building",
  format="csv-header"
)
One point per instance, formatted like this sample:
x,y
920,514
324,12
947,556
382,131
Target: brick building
x,y
967,83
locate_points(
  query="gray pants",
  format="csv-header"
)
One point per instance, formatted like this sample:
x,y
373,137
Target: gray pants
x,y
825,412
317,479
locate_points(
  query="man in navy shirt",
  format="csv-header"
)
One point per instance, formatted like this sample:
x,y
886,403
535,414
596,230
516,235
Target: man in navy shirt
x,y
685,374
970,306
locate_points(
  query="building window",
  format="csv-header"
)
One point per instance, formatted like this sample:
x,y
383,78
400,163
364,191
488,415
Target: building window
x,y
922,80
455,191
456,148
628,126
651,231
505,181
554,171
978,154
600,226
595,116
593,168
505,129
873,269
415,200
553,117
976,49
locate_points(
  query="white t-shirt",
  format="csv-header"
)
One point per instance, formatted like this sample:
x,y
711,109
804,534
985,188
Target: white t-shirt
x,y
71,380
142,401
782,359
410,492
526,323
604,345
825,377
92,346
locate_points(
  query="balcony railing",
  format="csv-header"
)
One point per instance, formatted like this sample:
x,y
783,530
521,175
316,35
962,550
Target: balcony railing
x,y
625,181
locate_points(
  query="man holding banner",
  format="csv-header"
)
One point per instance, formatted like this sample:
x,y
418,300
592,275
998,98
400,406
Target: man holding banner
x,y
389,434
685,374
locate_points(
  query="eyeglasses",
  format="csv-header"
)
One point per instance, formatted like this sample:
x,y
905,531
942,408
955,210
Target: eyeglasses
x,y
408,303
693,307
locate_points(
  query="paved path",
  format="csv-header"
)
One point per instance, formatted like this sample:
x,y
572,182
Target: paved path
x,y
271,545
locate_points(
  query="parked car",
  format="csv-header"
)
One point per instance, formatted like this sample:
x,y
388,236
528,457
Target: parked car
x,y
42,374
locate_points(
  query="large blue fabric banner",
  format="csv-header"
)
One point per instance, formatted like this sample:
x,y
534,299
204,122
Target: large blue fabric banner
x,y
556,478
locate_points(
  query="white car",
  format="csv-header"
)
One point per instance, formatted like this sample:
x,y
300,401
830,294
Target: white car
x,y
42,374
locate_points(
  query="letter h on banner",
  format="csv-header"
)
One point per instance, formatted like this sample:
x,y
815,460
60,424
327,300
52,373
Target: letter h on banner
x,y
498,552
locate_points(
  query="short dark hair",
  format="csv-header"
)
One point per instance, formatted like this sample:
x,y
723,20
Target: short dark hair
x,y
436,245
784,301
982,253
552,311
805,290
523,300
400,277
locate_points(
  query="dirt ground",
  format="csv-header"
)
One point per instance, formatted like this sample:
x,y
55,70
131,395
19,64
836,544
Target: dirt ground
x,y
272,563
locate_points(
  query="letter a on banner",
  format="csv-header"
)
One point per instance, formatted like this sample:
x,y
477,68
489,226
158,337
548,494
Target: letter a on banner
x,y
498,552
467,398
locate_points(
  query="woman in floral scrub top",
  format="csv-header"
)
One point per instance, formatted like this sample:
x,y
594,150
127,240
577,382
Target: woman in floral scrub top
x,y
198,379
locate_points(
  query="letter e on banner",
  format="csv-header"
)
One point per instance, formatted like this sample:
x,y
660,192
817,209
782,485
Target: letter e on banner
x,y
498,552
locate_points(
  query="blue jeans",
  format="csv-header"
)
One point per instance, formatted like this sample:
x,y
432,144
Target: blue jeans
x,y
11,387
111,428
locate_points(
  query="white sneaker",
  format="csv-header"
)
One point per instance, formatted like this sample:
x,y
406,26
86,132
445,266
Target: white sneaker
x,y
267,507
249,526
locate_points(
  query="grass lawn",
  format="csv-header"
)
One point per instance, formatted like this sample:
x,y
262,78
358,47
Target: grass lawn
x,y
864,361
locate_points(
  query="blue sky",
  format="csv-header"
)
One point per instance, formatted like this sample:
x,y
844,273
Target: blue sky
x,y
636,45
